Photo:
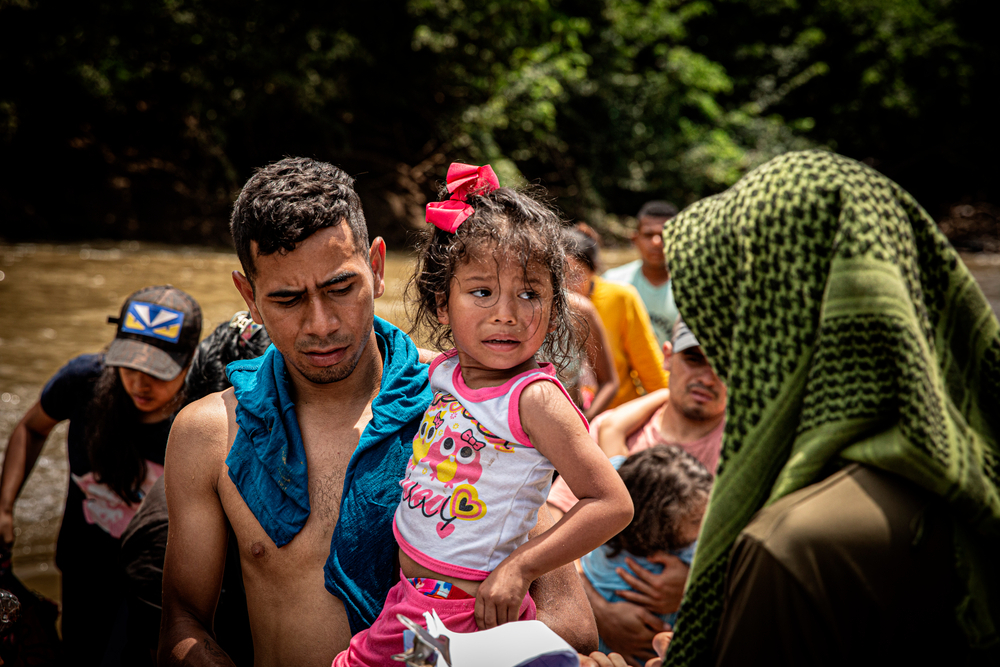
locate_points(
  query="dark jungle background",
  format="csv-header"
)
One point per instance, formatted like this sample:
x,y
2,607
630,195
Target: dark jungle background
x,y
142,119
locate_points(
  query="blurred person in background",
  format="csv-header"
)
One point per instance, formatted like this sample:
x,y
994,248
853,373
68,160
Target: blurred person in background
x,y
670,490
144,542
591,381
690,416
649,274
120,404
637,357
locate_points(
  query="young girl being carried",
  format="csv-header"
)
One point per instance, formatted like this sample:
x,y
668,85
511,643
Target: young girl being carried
x,y
489,281
670,490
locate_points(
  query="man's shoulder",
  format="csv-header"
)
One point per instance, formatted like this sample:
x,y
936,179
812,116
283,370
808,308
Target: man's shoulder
x,y
81,368
87,363
204,425
69,391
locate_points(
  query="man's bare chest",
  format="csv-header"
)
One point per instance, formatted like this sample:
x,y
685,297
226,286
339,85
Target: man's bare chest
x,y
309,548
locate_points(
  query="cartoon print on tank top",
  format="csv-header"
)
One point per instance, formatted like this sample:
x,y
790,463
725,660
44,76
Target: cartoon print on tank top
x,y
449,452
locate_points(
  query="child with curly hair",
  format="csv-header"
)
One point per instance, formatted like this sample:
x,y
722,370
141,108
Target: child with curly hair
x,y
489,285
669,489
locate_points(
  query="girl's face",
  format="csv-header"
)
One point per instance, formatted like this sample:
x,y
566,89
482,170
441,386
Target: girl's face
x,y
499,317
154,398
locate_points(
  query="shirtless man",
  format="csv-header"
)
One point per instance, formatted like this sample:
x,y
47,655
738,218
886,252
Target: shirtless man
x,y
313,287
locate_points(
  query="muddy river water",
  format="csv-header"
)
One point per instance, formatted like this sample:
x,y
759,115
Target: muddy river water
x,y
54,304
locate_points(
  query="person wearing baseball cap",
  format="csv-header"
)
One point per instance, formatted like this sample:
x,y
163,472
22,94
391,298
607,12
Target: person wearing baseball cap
x,y
120,405
690,415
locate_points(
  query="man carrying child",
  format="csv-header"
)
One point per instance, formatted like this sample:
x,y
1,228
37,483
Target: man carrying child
x,y
341,390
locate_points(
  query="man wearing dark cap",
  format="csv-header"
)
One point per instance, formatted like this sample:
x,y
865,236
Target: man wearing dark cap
x,y
690,415
120,405
649,274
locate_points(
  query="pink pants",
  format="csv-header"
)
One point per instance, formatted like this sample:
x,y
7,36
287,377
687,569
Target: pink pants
x,y
376,646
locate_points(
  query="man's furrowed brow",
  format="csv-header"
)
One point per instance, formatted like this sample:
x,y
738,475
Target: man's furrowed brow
x,y
288,292
285,293
339,278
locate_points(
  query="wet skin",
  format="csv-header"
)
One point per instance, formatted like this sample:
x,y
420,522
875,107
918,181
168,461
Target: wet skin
x,y
317,303
498,318
695,390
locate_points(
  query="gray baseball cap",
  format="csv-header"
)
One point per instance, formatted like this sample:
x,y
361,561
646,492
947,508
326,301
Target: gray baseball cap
x,y
683,339
158,332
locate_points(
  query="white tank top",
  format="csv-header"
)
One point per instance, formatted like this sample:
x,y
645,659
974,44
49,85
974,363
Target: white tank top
x,y
475,482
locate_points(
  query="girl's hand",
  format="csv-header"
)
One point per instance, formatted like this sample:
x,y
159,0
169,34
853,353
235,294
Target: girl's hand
x,y
499,598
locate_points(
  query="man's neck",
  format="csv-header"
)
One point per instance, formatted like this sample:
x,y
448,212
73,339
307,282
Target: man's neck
x,y
675,427
656,275
360,387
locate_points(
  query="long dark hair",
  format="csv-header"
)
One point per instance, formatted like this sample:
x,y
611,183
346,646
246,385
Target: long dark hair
x,y
114,458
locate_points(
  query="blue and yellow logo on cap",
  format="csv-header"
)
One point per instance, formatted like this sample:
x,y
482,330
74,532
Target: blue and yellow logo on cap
x,y
148,319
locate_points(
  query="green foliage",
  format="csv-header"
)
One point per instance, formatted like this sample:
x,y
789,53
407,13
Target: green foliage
x,y
160,110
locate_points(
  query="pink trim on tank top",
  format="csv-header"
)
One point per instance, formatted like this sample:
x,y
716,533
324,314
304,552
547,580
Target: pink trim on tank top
x,y
486,393
514,410
440,359
437,566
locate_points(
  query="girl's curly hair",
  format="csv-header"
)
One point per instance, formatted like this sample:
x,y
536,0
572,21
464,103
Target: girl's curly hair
x,y
666,484
522,226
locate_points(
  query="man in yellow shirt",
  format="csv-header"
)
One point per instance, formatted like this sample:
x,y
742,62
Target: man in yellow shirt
x,y
637,355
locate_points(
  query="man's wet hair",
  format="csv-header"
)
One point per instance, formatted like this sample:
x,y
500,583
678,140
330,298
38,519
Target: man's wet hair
x,y
288,201
657,209
666,484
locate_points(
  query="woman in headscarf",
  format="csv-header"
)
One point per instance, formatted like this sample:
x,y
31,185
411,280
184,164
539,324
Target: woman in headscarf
x,y
855,514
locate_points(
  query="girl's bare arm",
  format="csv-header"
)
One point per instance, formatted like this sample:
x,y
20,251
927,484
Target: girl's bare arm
x,y
604,509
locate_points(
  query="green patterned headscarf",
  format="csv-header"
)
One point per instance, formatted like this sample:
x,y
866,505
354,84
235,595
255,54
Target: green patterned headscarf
x,y
847,329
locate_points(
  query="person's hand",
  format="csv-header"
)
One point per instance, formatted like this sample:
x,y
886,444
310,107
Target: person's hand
x,y
660,644
499,597
598,659
659,593
628,629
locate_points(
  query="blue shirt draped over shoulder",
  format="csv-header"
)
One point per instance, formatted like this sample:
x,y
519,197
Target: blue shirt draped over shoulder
x,y
267,463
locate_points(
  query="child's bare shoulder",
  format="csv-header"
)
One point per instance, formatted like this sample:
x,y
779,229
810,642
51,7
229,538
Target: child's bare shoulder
x,y
544,393
543,405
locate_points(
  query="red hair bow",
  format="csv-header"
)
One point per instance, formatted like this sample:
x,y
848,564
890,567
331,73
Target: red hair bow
x,y
463,180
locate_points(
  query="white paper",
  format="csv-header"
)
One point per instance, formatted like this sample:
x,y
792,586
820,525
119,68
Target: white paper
x,y
517,644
